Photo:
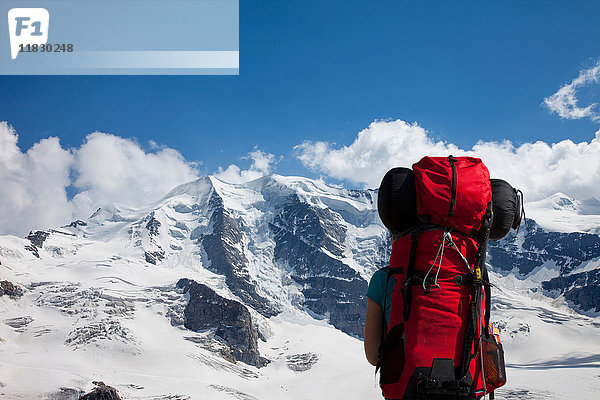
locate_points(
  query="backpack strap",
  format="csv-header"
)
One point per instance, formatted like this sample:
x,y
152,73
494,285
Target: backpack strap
x,y
382,350
485,279
390,272
410,271
488,300
451,161
481,279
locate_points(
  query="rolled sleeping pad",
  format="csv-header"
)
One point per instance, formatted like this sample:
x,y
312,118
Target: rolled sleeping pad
x,y
397,200
507,209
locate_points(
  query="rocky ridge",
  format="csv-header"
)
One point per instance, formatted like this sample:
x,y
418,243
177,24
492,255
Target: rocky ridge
x,y
229,320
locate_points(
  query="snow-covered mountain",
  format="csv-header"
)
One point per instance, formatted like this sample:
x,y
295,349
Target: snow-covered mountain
x,y
561,213
558,251
257,291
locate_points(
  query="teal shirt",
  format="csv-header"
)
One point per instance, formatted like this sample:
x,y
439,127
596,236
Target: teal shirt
x,y
379,293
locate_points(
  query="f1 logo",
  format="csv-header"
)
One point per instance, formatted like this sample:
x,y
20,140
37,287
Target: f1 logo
x,y
27,26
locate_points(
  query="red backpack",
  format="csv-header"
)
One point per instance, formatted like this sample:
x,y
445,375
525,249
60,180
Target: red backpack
x,y
440,304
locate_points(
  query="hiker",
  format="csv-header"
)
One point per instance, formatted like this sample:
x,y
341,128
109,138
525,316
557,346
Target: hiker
x,y
427,324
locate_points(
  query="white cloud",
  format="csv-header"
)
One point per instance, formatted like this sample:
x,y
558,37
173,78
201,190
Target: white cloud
x,y
564,101
33,183
109,168
106,169
539,169
375,150
262,164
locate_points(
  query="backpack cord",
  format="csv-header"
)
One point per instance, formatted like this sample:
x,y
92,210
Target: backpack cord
x,y
453,246
520,194
439,256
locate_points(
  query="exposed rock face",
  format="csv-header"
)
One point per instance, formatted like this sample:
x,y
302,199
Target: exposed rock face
x,y
153,257
309,239
77,223
37,238
567,250
582,290
315,248
101,392
33,250
10,289
230,319
222,248
152,225
536,247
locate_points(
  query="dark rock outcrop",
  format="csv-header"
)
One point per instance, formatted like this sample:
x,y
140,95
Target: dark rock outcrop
x,y
33,250
222,249
230,320
77,223
153,257
156,253
101,392
567,250
309,239
37,238
582,290
152,225
10,289
535,246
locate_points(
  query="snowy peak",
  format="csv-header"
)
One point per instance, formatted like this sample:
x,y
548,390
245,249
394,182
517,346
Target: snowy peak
x,y
560,201
561,213
276,244
198,189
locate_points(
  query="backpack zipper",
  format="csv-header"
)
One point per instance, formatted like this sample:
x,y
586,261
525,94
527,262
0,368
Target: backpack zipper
x,y
452,160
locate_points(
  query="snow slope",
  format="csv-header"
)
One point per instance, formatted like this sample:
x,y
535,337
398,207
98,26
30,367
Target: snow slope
x,y
561,213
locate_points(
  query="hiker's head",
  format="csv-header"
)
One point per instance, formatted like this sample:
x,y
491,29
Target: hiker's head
x,y
396,200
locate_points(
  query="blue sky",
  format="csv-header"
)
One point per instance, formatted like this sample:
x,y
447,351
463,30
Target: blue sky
x,y
325,70
322,71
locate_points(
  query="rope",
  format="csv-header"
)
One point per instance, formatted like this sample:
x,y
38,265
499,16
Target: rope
x,y
439,256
